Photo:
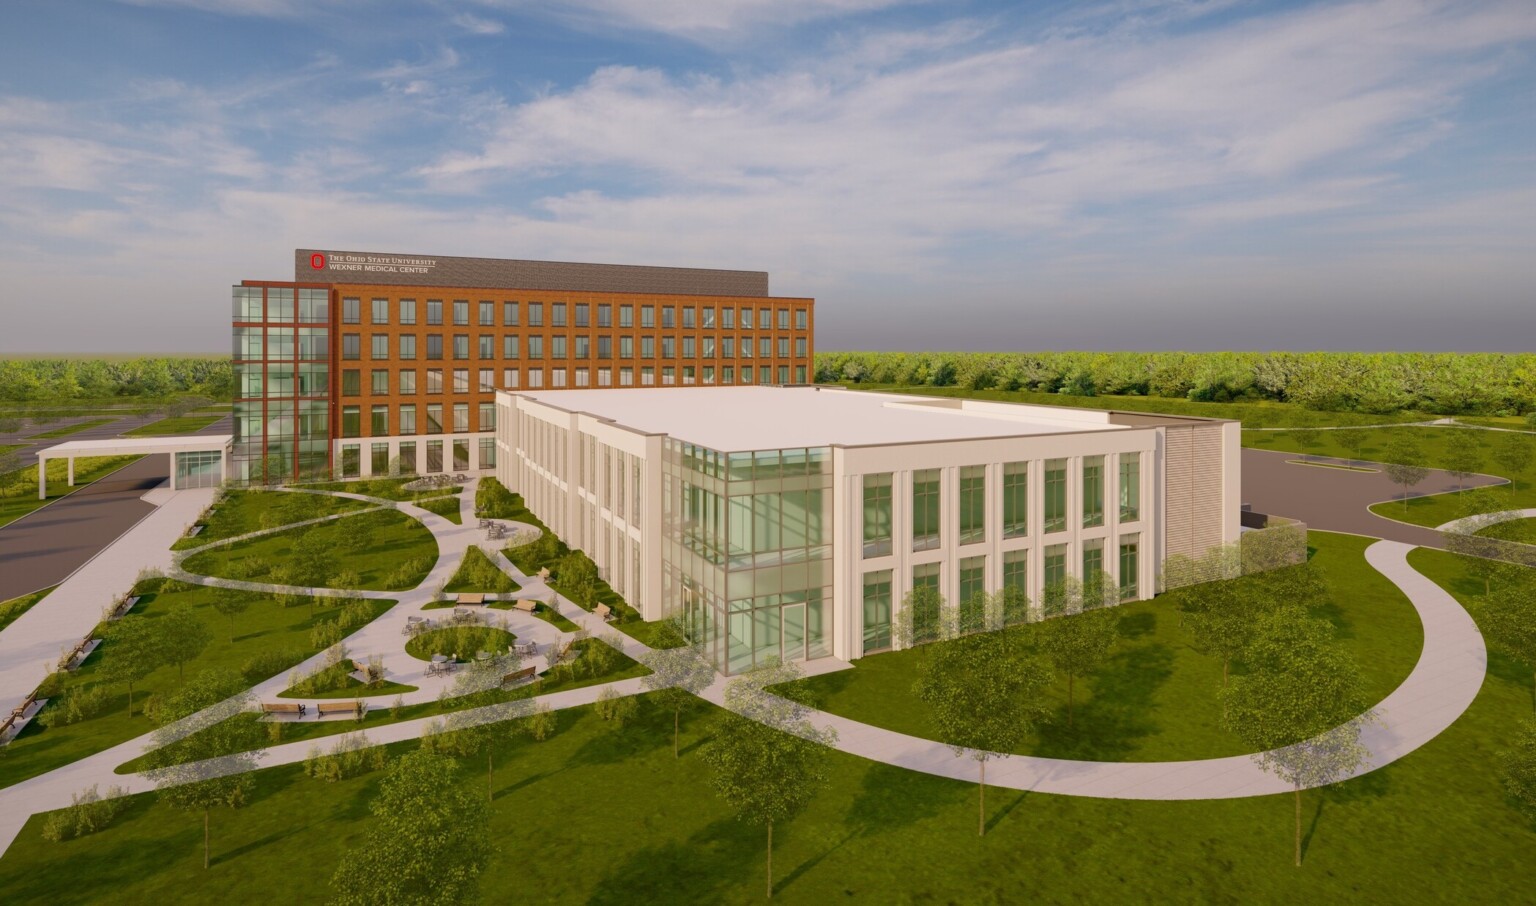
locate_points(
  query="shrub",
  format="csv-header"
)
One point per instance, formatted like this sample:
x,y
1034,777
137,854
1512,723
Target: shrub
x,y
356,613
88,813
326,634
348,757
541,723
75,706
613,707
268,664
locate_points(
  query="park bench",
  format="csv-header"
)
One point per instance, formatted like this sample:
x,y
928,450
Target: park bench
x,y
337,707
516,675
606,612
526,605
282,708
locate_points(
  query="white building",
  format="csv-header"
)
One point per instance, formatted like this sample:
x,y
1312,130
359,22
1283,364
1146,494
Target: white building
x,y
790,521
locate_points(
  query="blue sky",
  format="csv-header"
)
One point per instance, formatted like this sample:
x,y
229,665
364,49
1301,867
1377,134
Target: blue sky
x,y
1130,174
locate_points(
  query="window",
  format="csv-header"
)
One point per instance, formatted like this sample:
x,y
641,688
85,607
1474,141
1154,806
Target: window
x,y
557,314
408,382
407,346
626,347
461,418
746,319
783,319
315,306
407,418
434,346
434,456
380,459
380,384
1130,487
535,314
688,348
487,452
647,375
605,315
557,377
461,345
647,316
973,582
509,378
707,347
487,348
877,611
1055,568
408,457
461,313
434,418
583,347
380,311
668,317
688,323
627,376
764,318
1016,585
434,312
801,349
379,346
877,515
434,380
314,343
647,347
1093,491
351,421
727,347
668,347
728,318
783,374
535,377
783,347
487,417
1055,495
509,314
379,421
351,346
1130,565
707,318
487,314
487,381
1093,565
583,378
605,347
626,316
802,319
535,347
351,311
973,504
668,375
351,460
605,377
557,347
461,380
408,311
728,374
925,508
1015,499
583,314
511,348
351,382
746,347
764,346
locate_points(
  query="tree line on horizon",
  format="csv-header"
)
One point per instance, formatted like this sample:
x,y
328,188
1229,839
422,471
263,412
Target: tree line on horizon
x,y
59,380
1442,383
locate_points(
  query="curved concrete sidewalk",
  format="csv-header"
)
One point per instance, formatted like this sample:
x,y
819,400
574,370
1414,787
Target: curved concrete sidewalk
x,y
1443,684
1483,520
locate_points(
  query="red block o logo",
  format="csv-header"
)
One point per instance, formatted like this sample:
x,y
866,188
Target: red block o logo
x,y
317,261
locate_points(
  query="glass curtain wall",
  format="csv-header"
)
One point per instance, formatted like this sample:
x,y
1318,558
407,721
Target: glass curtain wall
x,y
282,383
748,551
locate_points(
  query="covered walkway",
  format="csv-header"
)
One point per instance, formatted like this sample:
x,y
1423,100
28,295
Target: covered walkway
x,y
197,460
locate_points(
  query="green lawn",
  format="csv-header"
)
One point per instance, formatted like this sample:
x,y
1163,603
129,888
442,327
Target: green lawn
x,y
1521,530
337,681
263,629
11,611
18,492
633,825
242,512
446,507
397,552
387,488
186,424
1155,700
67,430
479,574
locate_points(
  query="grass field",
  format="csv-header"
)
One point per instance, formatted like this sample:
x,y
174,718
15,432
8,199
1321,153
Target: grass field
x,y
11,611
446,507
187,424
387,488
1521,530
242,512
479,574
262,629
1155,699
67,430
392,541
18,497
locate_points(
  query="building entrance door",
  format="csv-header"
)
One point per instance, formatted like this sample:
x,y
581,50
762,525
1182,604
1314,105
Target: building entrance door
x,y
794,636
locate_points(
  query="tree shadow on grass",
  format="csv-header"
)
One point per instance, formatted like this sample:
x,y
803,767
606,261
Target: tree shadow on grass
x,y
701,869
1137,625
997,815
617,746
890,797
1107,726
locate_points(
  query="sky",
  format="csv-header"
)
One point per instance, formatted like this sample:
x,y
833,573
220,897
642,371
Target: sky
x,y
1125,174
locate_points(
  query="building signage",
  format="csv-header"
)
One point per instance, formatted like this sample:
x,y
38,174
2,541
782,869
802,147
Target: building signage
x,y
373,264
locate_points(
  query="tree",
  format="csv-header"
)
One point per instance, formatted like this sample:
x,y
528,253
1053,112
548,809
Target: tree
x,y
351,533
1405,464
1463,456
1513,454
578,577
1078,633
768,760
1517,767
677,677
924,617
1301,705
1306,437
465,733
184,636
231,603
134,649
1508,618
1352,442
191,768
615,708
985,696
311,561
428,842
209,688
1220,617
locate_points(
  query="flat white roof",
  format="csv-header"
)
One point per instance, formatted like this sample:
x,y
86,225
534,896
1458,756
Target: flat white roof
x,y
125,446
734,419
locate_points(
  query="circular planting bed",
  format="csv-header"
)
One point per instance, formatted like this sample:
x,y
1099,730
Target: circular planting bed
x,y
459,642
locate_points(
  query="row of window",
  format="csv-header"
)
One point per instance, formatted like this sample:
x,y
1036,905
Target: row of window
x,y
688,375
561,314
1013,499
406,462
879,599
513,347
284,305
406,424
406,384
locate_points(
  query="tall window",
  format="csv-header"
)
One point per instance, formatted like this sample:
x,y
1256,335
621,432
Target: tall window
x,y
1093,561
509,314
535,314
434,311
973,503
408,382
1015,499
487,314
461,313
877,611
973,579
351,311
583,314
380,384
351,421
408,419
1055,567
1055,495
351,346
1130,487
1093,491
407,311
626,316
379,346
557,314
407,346
434,345
1016,570
380,311
379,421
925,508
877,515
1130,565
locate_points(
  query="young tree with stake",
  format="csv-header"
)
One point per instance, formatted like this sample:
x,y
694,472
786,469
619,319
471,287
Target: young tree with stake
x,y
231,603
1405,464
183,636
1078,633
677,676
1513,453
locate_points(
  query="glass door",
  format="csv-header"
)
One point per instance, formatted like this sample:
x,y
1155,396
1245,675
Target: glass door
x,y
794,636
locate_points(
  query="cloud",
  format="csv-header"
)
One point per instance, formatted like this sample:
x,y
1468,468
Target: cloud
x,y
694,19
477,25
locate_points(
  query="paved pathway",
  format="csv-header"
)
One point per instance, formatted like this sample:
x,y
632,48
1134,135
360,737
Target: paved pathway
x,y
1484,520
1338,500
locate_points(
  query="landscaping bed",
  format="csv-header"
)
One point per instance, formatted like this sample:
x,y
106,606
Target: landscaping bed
x,y
384,549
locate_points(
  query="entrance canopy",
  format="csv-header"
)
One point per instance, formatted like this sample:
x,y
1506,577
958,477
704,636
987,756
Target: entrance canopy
x,y
197,459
